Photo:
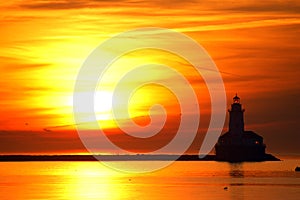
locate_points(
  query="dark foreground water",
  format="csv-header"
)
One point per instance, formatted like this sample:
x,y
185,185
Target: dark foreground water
x,y
181,180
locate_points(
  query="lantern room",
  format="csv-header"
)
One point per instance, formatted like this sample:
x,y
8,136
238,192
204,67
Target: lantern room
x,y
236,99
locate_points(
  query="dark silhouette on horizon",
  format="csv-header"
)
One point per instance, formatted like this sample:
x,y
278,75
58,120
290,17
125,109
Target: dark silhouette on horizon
x,y
238,145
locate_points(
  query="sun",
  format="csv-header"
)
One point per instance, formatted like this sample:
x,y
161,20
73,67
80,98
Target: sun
x,y
103,105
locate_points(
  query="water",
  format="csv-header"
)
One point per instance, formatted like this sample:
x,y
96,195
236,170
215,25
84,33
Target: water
x,y
181,180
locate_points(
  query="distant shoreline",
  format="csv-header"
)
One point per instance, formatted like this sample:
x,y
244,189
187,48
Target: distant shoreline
x,y
139,157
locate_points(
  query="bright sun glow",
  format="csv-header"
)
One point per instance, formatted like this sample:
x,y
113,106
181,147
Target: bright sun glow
x,y
103,105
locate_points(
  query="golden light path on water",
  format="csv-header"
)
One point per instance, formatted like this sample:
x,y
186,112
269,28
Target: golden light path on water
x,y
193,180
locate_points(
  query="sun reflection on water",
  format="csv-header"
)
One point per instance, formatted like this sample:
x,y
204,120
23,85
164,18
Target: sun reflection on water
x,y
93,181
191,180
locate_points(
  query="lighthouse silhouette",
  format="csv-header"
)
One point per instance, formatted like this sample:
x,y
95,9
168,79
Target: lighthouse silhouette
x,y
238,145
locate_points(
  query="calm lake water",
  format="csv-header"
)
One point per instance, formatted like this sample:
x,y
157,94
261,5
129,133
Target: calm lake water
x,y
181,180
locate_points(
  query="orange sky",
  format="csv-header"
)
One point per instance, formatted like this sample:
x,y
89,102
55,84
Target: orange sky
x,y
44,43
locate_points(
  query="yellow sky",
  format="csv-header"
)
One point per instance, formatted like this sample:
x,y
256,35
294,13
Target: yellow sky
x,y
44,43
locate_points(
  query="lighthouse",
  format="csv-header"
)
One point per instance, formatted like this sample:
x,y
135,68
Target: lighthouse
x,y
237,144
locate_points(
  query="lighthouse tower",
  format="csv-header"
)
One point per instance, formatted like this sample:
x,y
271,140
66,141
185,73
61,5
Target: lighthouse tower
x,y
236,120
